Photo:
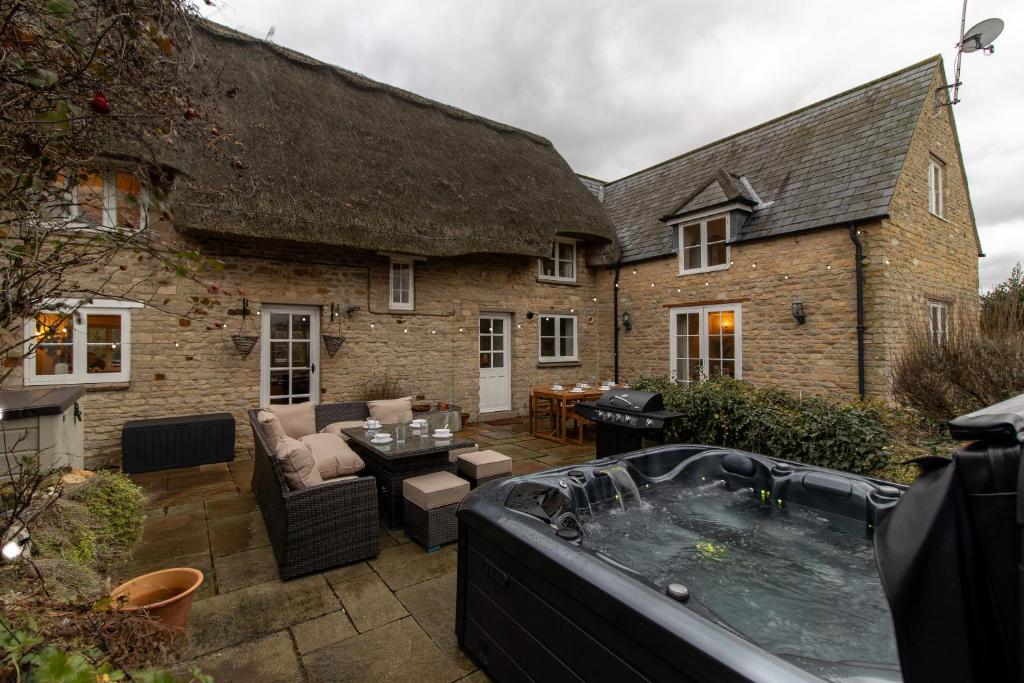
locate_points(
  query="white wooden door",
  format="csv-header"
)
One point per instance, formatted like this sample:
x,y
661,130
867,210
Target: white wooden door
x,y
495,375
289,355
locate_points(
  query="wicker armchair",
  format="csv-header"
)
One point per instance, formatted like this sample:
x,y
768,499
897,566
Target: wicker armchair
x,y
321,527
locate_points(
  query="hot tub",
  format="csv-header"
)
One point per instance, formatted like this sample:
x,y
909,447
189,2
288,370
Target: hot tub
x,y
676,563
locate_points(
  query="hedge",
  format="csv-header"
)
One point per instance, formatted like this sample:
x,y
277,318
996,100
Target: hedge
x,y
855,436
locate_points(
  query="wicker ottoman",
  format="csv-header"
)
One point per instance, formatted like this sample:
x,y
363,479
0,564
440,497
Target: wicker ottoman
x,y
431,501
484,466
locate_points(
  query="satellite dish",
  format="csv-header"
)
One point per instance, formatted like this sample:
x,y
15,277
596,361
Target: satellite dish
x,y
981,35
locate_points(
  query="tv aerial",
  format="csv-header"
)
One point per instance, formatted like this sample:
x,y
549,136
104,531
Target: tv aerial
x,y
978,37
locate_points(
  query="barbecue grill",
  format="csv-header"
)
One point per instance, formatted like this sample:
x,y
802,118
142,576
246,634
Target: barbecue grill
x,y
626,418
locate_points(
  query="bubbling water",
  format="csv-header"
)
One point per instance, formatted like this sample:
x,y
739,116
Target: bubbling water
x,y
800,585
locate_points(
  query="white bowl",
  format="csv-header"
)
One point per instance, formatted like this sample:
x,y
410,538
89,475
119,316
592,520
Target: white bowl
x,y
418,424
442,433
576,390
381,438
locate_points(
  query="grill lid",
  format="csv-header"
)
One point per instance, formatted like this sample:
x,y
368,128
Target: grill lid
x,y
631,401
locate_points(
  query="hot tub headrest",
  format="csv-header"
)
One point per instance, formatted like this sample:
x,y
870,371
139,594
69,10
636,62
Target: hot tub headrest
x,y
999,423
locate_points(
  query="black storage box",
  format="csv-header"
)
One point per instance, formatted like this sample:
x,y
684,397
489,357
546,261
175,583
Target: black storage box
x,y
169,442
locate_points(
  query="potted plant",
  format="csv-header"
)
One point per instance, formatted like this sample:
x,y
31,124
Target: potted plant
x,y
166,595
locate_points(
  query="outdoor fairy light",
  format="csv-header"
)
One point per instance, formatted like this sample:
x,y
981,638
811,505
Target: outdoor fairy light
x,y
627,321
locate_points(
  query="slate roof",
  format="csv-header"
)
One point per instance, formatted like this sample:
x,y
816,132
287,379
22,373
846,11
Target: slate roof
x,y
829,163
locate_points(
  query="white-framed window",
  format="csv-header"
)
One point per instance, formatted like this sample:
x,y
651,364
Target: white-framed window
x,y
561,265
936,181
557,338
704,245
108,199
938,322
90,344
705,341
402,294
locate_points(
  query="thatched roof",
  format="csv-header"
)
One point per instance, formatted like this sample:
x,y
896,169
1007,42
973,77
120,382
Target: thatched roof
x,y
328,156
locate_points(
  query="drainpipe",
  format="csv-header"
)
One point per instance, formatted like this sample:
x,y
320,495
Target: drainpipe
x,y
860,308
615,321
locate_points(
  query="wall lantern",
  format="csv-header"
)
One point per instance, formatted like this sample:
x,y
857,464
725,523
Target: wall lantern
x,y
798,312
529,315
627,321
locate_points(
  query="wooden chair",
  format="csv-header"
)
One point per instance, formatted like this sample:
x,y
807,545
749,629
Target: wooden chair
x,y
578,421
538,408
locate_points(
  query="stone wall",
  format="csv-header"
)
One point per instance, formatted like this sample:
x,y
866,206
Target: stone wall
x,y
186,364
917,257
765,278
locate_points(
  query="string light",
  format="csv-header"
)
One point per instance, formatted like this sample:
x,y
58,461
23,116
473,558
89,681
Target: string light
x,y
634,271
732,262
572,310
828,267
177,345
595,299
616,285
706,283
373,325
785,277
679,290
405,330
433,332
461,329
753,265
652,284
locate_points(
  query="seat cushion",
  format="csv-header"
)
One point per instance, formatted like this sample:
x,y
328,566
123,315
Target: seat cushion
x,y
297,464
434,490
333,456
453,455
484,464
336,427
296,420
391,411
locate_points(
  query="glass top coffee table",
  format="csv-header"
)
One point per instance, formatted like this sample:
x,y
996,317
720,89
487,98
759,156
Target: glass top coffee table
x,y
392,463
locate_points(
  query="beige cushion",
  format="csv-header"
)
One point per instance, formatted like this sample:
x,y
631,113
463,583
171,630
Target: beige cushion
x,y
336,427
297,464
453,455
332,455
433,490
271,427
484,464
390,412
297,420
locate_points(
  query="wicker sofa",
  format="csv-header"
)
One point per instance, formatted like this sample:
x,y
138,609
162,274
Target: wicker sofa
x,y
322,527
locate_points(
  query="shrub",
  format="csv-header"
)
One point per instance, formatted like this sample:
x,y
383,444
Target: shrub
x,y
982,363
852,436
382,388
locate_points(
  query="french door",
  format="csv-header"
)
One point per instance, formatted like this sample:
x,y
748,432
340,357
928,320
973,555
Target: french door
x,y
289,353
495,375
705,341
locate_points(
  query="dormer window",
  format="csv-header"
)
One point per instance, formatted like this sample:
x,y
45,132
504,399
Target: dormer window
x,y
561,265
110,199
704,245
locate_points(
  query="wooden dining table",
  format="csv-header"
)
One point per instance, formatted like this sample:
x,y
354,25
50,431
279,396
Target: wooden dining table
x,y
561,401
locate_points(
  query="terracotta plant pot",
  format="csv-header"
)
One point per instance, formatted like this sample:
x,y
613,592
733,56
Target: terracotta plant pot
x,y
441,405
166,595
465,418
421,408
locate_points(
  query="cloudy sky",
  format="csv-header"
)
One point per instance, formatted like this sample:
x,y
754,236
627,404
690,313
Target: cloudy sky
x,y
619,85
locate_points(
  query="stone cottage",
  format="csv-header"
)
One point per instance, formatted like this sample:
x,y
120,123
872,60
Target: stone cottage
x,y
465,259
802,252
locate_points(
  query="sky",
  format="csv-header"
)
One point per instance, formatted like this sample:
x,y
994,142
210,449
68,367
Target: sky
x,y
619,85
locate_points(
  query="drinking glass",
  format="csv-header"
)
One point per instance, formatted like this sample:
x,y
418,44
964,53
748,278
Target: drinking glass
x,y
400,432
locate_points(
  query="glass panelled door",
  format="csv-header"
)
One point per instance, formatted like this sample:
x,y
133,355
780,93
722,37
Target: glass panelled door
x,y
290,349
495,376
705,342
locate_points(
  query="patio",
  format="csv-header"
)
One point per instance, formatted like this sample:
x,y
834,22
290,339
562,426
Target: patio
x,y
391,618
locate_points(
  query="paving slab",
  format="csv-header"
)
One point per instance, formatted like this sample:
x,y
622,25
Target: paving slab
x,y
150,481
476,677
237,533
242,615
398,535
432,605
528,466
399,651
172,546
188,523
323,631
515,451
565,459
536,444
408,564
385,540
183,480
244,569
349,571
267,659
194,494
230,504
368,602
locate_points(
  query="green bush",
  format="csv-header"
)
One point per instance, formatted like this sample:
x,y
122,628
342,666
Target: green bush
x,y
851,436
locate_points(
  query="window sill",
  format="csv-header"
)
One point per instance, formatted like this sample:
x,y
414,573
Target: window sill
x,y
698,271
553,281
93,387
559,364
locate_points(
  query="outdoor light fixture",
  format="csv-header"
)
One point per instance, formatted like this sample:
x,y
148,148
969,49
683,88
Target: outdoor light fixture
x,y
798,312
627,321
15,547
529,315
